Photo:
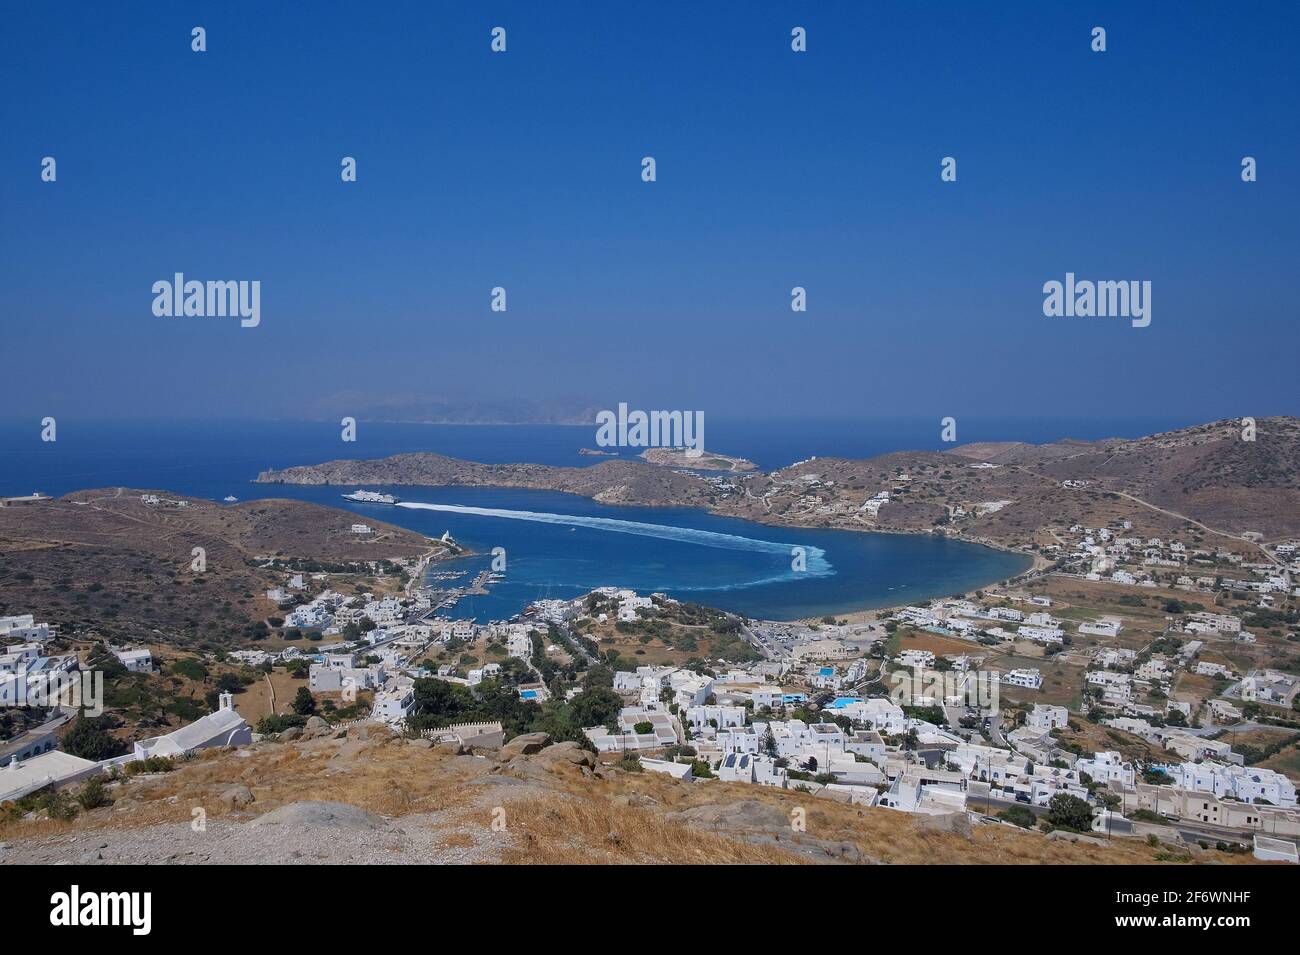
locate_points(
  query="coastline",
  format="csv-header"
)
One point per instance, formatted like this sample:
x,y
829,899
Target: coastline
x,y
854,615
868,614
872,614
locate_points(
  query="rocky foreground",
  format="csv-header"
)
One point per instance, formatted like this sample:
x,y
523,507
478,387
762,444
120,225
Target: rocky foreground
x,y
368,796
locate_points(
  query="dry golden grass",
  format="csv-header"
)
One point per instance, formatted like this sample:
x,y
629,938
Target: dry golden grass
x,y
561,831
456,840
577,829
556,818
940,645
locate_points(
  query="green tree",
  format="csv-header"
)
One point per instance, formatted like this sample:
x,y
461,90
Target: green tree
x,y
230,683
595,706
90,738
1069,812
304,704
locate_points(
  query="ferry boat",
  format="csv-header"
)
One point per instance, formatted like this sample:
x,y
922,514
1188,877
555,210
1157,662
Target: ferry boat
x,y
370,497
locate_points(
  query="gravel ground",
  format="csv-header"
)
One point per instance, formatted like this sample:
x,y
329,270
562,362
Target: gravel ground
x,y
315,840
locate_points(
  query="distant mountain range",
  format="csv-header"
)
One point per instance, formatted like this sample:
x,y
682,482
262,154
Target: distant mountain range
x,y
435,409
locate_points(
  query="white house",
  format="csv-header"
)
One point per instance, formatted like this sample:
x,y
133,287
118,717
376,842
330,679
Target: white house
x,y
1203,622
395,703
1026,677
136,661
1042,634
1105,627
720,717
1248,784
750,768
916,658
1044,718
693,692
877,713
1108,767
1204,668
742,739
868,744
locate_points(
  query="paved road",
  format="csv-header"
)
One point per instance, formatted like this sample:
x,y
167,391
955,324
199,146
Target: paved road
x,y
1229,730
996,804
995,731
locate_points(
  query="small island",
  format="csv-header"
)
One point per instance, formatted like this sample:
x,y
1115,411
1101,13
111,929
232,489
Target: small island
x,y
705,461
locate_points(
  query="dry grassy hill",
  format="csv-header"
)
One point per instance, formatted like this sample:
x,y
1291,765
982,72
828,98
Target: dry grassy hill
x,y
104,560
611,482
1206,473
399,801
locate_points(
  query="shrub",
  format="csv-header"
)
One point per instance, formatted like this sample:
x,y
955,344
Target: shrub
x,y
190,668
1019,816
150,764
54,802
276,723
93,794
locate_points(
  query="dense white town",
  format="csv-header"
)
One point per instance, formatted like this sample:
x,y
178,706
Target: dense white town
x,y
845,711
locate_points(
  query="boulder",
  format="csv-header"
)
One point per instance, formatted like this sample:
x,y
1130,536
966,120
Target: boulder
x,y
742,814
820,850
525,744
568,752
1064,835
470,766
636,801
316,727
291,734
321,815
957,822
237,797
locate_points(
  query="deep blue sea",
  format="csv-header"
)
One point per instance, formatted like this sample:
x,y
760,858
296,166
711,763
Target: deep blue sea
x,y
560,545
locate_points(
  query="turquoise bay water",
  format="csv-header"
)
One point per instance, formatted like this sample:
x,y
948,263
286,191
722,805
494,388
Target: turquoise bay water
x,y
557,545
561,546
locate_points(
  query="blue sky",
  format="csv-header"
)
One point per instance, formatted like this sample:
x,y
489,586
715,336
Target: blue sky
x,y
775,169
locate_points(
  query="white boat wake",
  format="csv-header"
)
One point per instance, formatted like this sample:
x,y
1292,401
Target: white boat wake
x,y
814,557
